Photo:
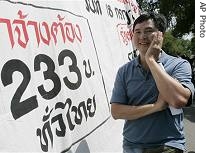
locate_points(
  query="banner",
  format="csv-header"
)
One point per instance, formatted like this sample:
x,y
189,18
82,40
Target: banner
x,y
58,63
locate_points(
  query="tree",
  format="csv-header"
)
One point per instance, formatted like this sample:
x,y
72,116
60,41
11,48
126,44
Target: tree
x,y
184,13
176,46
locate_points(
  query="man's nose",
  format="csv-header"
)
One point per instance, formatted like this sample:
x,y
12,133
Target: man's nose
x,y
142,35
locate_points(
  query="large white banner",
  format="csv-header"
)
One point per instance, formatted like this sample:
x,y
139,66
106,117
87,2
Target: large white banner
x,y
57,64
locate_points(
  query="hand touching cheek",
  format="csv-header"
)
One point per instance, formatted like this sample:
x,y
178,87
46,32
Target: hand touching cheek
x,y
154,49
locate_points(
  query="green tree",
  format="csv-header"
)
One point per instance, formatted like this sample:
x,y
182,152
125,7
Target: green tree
x,y
176,46
183,11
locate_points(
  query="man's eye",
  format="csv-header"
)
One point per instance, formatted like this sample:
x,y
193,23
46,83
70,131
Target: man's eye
x,y
138,32
148,31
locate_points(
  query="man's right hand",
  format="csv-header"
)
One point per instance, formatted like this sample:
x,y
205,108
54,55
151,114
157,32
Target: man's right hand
x,y
160,104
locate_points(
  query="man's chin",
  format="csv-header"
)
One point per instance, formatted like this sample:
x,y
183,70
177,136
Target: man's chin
x,y
144,49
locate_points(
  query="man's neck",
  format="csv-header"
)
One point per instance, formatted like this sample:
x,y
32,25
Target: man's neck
x,y
143,62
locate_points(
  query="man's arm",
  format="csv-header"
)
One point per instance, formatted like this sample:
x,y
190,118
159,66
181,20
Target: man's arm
x,y
173,92
128,112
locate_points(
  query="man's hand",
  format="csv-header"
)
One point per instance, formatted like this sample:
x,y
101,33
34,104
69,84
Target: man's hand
x,y
155,46
160,104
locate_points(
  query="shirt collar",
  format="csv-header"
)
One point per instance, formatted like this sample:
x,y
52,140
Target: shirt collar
x,y
160,60
137,61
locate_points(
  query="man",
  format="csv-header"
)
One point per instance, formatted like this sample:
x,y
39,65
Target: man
x,y
150,91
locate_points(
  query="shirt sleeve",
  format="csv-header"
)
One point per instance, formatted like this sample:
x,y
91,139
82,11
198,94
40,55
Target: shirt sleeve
x,y
119,94
183,73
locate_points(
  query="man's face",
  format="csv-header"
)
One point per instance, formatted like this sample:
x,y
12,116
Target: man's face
x,y
143,35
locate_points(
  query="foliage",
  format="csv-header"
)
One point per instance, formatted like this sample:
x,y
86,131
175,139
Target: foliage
x,y
184,13
176,46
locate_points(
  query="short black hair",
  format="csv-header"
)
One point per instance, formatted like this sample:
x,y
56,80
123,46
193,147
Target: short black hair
x,y
158,19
